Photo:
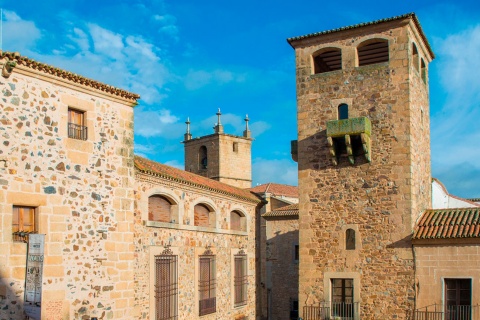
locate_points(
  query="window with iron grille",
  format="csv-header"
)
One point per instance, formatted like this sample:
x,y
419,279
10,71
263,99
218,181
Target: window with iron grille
x,y
240,280
166,286
206,285
458,299
24,222
76,124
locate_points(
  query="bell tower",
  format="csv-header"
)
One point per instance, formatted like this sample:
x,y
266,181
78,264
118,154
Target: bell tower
x,y
219,156
364,165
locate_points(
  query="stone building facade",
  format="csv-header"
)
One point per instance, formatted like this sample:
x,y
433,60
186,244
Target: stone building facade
x,y
282,257
66,171
276,196
227,232
364,165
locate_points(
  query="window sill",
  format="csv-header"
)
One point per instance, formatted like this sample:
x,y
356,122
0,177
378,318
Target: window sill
x,y
167,225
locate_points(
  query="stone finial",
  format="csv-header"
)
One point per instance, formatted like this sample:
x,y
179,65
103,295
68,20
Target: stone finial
x,y
188,135
218,126
246,132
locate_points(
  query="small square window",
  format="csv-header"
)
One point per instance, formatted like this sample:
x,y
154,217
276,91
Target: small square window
x,y
76,124
24,222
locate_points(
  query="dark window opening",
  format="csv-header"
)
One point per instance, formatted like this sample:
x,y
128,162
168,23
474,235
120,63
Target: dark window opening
x,y
296,253
76,124
24,222
235,147
342,298
423,71
458,299
373,52
166,287
350,239
206,285
202,158
415,56
328,61
293,309
240,280
343,111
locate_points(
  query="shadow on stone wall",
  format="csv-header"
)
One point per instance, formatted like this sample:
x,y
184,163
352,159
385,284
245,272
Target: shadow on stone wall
x,y
283,280
11,302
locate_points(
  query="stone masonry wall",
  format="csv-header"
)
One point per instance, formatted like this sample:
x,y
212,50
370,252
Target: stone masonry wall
x,y
188,242
437,260
83,192
378,199
225,164
282,268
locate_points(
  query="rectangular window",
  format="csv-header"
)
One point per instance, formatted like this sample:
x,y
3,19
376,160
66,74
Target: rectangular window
x,y
296,253
23,223
294,309
206,285
166,287
240,280
76,124
458,299
342,298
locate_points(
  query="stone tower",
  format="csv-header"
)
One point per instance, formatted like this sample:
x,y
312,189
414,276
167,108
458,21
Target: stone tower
x,y
364,165
223,157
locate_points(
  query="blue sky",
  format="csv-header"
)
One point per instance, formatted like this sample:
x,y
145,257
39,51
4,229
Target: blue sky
x,y
187,58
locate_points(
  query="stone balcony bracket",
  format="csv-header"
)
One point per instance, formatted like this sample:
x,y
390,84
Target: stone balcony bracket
x,y
349,136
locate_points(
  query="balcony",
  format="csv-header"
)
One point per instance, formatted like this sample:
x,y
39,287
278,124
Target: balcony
x,y
76,131
332,311
350,136
451,312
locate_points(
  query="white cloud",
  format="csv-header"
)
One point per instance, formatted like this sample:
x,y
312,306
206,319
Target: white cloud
x,y
259,127
19,35
175,164
157,123
106,42
282,171
455,129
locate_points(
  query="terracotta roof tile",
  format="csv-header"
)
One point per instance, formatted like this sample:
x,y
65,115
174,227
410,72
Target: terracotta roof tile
x,y
17,59
448,224
290,211
184,177
276,189
355,26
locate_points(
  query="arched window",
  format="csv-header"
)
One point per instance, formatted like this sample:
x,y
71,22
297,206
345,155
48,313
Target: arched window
x,y
415,56
343,111
326,61
350,239
160,209
423,71
372,51
237,221
204,216
202,157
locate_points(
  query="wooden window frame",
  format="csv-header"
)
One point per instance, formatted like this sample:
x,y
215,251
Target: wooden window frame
x,y
19,231
76,124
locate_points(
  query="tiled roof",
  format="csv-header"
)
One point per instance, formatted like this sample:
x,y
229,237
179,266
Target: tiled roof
x,y
276,189
448,224
474,199
401,17
30,63
290,211
188,178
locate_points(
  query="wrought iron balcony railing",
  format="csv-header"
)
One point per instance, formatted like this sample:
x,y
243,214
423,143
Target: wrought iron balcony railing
x,y
332,311
76,131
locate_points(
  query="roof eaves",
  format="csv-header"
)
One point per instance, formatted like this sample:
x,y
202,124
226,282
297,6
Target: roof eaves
x,y
73,77
200,186
364,24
